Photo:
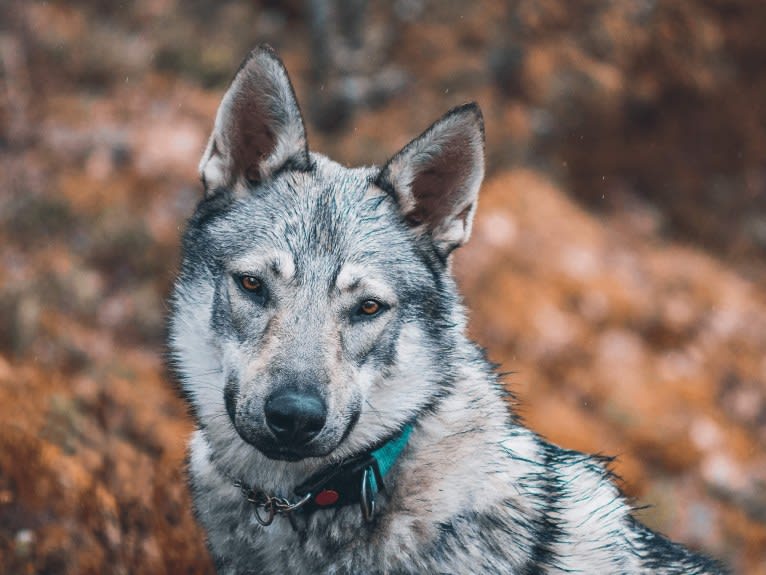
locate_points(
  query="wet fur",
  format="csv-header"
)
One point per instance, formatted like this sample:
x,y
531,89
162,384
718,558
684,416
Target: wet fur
x,y
474,491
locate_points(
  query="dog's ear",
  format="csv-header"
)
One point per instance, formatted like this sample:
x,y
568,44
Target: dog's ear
x,y
435,179
258,128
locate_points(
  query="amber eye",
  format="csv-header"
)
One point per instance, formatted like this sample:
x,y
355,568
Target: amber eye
x,y
250,283
370,307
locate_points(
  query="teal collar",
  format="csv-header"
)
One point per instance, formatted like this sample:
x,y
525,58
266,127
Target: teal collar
x,y
387,454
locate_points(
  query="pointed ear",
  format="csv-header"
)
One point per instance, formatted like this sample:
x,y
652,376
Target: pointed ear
x,y
258,128
435,179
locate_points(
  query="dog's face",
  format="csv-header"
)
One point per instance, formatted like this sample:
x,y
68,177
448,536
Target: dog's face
x,y
313,294
314,309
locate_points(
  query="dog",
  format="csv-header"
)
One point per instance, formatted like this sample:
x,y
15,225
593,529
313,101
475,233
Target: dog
x,y
346,424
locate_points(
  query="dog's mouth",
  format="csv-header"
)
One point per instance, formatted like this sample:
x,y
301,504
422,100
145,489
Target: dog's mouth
x,y
322,446
276,451
291,454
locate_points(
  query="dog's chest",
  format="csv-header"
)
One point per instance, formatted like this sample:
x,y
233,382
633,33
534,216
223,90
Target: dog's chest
x,y
333,541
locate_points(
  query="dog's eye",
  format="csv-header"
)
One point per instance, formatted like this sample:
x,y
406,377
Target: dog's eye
x,y
251,284
370,307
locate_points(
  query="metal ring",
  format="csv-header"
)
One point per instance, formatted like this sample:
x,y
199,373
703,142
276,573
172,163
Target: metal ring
x,y
265,522
272,506
367,498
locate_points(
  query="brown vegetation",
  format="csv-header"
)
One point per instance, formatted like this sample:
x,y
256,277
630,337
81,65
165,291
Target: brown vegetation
x,y
616,267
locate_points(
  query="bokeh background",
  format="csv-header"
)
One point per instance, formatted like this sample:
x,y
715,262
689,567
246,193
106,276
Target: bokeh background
x,y
616,271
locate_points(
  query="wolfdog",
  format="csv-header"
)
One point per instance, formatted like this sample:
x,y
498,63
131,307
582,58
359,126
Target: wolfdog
x,y
346,424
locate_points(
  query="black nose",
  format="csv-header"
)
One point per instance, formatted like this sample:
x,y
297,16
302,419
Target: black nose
x,y
295,418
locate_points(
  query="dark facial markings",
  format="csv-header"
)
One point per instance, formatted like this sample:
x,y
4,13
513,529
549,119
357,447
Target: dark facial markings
x,y
245,305
230,392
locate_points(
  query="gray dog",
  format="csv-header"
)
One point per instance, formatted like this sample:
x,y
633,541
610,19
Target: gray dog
x,y
346,423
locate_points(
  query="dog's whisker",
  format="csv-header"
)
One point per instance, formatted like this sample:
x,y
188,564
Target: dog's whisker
x,y
209,386
372,409
205,373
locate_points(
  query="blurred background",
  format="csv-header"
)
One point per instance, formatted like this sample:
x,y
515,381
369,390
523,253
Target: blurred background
x,y
617,266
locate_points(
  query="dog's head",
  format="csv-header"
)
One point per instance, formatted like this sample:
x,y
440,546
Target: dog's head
x,y
314,312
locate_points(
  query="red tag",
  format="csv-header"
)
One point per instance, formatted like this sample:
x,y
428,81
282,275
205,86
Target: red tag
x,y
326,497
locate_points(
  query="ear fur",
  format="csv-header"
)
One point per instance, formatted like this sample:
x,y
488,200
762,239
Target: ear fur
x,y
435,179
258,128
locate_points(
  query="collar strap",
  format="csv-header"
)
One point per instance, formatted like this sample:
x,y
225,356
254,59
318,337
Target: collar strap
x,y
355,480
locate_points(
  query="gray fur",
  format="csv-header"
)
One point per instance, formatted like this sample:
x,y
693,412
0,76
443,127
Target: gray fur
x,y
474,491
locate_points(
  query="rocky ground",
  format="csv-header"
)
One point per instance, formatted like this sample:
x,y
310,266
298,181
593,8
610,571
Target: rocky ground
x,y
616,269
